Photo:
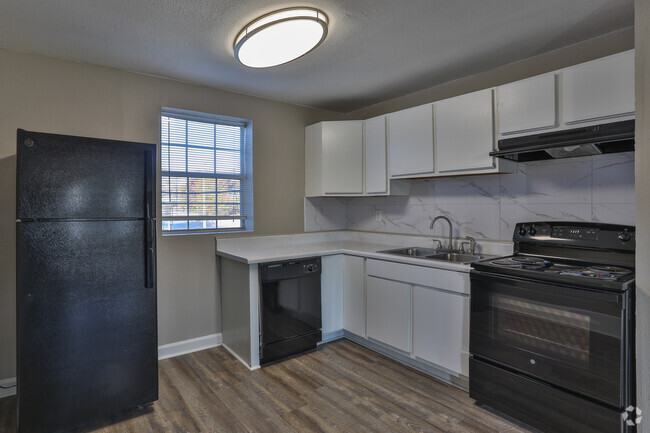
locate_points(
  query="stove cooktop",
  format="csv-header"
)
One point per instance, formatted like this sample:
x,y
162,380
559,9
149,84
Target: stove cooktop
x,y
562,270
580,254
573,269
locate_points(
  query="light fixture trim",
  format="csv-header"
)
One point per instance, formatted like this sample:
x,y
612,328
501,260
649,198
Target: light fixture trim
x,y
272,19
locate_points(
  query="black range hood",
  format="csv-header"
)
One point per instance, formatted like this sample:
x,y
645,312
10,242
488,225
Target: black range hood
x,y
590,140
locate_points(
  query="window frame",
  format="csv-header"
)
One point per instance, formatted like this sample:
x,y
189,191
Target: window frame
x,y
245,176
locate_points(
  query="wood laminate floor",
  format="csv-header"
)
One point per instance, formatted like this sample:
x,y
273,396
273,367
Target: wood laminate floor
x,y
340,387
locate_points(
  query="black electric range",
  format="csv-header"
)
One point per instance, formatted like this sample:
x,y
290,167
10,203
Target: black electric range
x,y
552,328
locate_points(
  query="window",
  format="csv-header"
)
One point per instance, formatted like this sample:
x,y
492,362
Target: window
x,y
206,164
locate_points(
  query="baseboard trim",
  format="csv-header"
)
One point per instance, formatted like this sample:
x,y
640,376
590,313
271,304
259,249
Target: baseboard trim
x,y
239,358
331,336
165,351
188,346
459,381
11,381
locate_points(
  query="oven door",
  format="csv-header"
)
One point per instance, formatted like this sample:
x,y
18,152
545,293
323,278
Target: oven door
x,y
569,337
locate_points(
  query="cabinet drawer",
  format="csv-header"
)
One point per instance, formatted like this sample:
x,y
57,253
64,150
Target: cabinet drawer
x,y
443,279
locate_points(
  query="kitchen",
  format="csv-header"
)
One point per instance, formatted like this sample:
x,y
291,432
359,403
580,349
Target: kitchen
x,y
129,106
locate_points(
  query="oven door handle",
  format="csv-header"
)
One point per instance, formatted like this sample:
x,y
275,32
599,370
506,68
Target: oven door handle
x,y
553,288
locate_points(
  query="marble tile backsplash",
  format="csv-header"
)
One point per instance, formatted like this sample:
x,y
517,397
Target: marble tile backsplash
x,y
598,188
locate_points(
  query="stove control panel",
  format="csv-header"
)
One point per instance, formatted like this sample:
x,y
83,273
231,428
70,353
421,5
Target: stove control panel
x,y
577,234
590,234
537,230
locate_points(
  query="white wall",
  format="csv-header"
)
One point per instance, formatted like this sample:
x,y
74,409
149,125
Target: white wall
x,y
642,40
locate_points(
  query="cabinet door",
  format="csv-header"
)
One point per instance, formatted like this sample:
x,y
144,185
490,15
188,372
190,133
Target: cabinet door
x,y
465,132
354,317
332,294
342,157
410,141
599,89
527,105
375,155
441,328
388,312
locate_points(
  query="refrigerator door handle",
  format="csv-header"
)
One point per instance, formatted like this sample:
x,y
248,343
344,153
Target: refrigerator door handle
x,y
150,257
150,164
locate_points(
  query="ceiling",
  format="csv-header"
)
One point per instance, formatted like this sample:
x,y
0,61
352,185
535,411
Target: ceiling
x,y
375,50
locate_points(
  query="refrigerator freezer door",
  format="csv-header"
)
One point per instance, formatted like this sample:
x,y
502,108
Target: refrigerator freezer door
x,y
63,177
87,343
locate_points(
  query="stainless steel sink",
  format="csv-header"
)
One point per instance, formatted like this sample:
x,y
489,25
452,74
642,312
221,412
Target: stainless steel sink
x,y
412,251
434,254
455,257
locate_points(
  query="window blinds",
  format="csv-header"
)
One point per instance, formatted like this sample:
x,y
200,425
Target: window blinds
x,y
203,171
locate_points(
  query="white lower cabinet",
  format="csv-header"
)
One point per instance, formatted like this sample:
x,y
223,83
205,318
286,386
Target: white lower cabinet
x,y
441,328
354,294
332,295
422,311
420,314
388,309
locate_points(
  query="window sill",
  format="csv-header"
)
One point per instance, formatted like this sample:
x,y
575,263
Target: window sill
x,y
204,232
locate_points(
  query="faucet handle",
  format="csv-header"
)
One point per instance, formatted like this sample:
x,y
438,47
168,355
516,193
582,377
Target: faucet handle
x,y
439,244
472,243
462,247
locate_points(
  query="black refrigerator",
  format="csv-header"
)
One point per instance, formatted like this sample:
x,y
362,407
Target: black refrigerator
x,y
86,279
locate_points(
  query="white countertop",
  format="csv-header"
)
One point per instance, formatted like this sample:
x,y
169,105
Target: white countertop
x,y
261,249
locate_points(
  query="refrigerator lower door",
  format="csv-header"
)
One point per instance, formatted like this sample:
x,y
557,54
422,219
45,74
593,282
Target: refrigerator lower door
x,y
87,343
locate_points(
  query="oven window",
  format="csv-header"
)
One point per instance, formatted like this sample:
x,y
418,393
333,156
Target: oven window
x,y
542,328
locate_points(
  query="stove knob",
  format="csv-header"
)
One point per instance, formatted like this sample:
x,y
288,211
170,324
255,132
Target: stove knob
x,y
532,231
522,231
625,236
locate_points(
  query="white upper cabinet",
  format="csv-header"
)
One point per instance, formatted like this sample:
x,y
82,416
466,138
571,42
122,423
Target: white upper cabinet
x,y
464,132
599,89
375,155
334,158
527,105
410,141
455,136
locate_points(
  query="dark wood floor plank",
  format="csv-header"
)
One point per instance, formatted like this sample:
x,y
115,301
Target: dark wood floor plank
x,y
340,387
446,399
243,407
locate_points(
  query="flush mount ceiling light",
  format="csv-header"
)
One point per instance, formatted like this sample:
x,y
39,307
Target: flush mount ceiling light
x,y
280,37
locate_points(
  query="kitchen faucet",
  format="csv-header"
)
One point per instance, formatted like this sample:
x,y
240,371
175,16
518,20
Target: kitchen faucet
x,y
433,221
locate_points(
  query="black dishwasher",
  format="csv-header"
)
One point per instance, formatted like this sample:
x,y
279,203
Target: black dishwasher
x,y
290,308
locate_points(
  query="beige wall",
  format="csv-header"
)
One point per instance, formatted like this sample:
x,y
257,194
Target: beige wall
x,y
642,180
44,94
611,43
